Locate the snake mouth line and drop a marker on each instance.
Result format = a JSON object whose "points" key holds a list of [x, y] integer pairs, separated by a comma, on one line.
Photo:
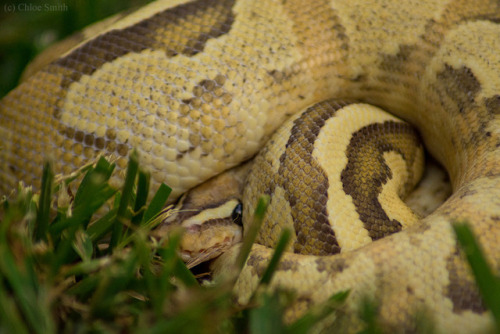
{"points": [[193, 257]]}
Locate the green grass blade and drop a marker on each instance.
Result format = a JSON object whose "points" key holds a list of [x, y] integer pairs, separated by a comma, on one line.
{"points": [[488, 284], [305, 324], [83, 245], [369, 314], [102, 226], [112, 286], [10, 319], [184, 274], [172, 263], [280, 248], [157, 203], [93, 179], [85, 287], [160, 285], [24, 287], [92, 193], [42, 217], [268, 317], [142, 196], [122, 214], [252, 231]]}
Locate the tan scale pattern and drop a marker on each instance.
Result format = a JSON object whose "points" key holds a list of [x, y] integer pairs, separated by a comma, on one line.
{"points": [[301, 186], [302, 182], [199, 86]]}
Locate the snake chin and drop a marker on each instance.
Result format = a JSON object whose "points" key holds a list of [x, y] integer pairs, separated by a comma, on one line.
{"points": [[202, 243]]}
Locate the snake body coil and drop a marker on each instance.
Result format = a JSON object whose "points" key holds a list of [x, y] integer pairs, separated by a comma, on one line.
{"points": [[199, 86]]}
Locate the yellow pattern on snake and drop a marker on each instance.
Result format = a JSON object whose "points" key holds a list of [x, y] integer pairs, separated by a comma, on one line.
{"points": [[198, 87]]}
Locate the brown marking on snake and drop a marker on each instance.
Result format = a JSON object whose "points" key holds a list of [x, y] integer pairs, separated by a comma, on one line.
{"points": [[152, 33], [288, 265], [493, 105], [461, 290], [313, 30], [335, 267], [430, 41], [413, 58], [461, 85], [278, 76], [410, 58], [366, 171], [458, 91], [257, 263], [415, 235], [322, 27], [396, 63], [159, 32], [307, 192], [211, 86], [207, 97], [91, 140]]}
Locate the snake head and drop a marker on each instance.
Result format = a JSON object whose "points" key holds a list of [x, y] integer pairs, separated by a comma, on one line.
{"points": [[210, 217]]}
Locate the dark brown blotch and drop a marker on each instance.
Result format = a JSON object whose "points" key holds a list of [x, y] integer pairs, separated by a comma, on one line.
{"points": [[100, 143], [397, 63], [122, 149], [460, 85], [309, 213], [493, 105], [288, 265], [88, 139], [79, 136], [341, 34], [330, 265], [461, 290], [278, 76], [366, 172], [257, 264], [111, 134]]}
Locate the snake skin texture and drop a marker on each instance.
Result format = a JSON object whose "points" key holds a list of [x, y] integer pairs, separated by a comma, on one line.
{"points": [[199, 86]]}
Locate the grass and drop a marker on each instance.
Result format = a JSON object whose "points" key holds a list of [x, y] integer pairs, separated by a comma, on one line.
{"points": [[66, 269], [487, 282]]}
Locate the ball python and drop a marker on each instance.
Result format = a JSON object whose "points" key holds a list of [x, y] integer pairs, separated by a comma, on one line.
{"points": [[198, 87]]}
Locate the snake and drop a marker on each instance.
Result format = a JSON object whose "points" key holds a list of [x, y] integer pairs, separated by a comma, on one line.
{"points": [[199, 87]]}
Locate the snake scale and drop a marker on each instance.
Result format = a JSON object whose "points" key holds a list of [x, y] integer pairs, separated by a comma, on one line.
{"points": [[199, 86]]}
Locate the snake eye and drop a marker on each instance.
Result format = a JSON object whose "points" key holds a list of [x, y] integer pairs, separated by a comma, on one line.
{"points": [[236, 216]]}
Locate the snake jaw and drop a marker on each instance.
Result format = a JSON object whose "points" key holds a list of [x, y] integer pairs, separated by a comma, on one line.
{"points": [[210, 215], [207, 232], [204, 242], [210, 233]]}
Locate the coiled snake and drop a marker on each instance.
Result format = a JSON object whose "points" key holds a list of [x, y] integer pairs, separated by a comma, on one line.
{"points": [[198, 87]]}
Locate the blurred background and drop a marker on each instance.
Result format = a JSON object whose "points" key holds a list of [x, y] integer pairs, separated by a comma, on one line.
{"points": [[27, 27]]}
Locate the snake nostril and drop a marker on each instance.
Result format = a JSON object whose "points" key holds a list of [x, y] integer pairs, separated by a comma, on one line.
{"points": [[236, 216]]}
